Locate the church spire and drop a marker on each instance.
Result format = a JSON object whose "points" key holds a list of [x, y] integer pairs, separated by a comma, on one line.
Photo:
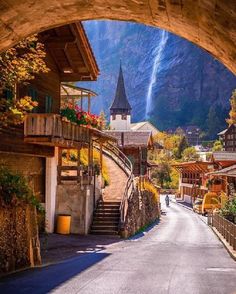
{"points": [[120, 103]]}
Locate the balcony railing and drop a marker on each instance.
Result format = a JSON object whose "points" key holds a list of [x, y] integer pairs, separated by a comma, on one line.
{"points": [[191, 181], [51, 129]]}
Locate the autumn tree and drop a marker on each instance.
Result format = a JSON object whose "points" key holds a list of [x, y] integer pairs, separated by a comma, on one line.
{"points": [[19, 65], [183, 144], [102, 120], [189, 154], [232, 114], [217, 146]]}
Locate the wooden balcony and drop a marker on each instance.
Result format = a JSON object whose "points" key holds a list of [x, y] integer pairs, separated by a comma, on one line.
{"points": [[51, 130]]}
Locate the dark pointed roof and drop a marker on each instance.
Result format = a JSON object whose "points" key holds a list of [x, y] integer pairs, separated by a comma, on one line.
{"points": [[120, 103]]}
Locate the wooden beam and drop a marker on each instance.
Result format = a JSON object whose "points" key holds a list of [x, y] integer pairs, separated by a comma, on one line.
{"points": [[59, 42], [89, 102], [74, 77], [70, 61]]}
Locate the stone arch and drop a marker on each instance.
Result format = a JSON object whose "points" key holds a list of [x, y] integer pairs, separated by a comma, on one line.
{"points": [[211, 24]]}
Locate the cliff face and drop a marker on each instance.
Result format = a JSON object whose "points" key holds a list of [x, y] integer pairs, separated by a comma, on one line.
{"points": [[168, 79]]}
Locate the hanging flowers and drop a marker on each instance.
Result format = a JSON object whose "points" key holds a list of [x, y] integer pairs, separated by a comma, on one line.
{"points": [[12, 112], [18, 65], [80, 117]]}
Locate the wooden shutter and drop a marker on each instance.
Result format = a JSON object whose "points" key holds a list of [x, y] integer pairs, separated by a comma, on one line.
{"points": [[33, 93], [48, 104]]}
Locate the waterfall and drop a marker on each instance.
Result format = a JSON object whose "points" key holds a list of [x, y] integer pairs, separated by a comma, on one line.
{"points": [[158, 54]]}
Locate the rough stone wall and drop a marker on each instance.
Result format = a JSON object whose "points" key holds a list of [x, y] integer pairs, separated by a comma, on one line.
{"points": [[143, 209], [209, 24], [19, 242]]}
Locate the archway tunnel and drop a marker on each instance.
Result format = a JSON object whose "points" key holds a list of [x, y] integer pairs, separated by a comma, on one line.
{"points": [[209, 24]]}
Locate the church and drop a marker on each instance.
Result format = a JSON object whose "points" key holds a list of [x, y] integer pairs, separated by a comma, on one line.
{"points": [[134, 144]]}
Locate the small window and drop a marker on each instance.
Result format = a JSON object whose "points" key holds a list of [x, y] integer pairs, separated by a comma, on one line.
{"points": [[113, 117], [7, 94], [32, 92], [123, 116], [48, 104]]}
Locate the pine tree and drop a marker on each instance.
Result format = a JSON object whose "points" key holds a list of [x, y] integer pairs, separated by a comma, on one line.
{"points": [[232, 114], [213, 123], [183, 144]]}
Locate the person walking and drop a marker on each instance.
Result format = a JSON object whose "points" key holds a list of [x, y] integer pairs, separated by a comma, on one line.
{"points": [[167, 199]]}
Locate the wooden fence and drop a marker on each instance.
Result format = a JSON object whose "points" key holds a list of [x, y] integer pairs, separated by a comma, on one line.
{"points": [[226, 228]]}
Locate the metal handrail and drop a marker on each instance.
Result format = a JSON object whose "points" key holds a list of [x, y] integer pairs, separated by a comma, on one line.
{"points": [[126, 165]]}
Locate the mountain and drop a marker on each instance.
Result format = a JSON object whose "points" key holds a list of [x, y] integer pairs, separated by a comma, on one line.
{"points": [[169, 80]]}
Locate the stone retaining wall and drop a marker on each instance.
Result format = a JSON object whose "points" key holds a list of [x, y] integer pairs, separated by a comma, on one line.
{"points": [[143, 209], [19, 242]]}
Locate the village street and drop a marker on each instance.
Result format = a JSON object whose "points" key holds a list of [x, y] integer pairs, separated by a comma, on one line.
{"points": [[179, 255]]}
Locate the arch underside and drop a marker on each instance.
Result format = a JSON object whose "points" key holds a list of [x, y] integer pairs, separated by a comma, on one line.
{"points": [[211, 24]]}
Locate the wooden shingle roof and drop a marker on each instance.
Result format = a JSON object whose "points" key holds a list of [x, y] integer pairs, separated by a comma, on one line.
{"points": [[224, 156], [193, 166], [133, 138]]}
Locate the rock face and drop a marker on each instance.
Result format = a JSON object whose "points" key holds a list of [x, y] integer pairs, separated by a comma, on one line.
{"points": [[185, 80]]}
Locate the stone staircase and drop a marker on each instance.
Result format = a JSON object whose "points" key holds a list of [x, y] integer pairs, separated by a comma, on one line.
{"points": [[106, 218], [107, 214]]}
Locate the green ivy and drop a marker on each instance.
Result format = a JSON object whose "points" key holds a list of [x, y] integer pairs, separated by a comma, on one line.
{"points": [[14, 186]]}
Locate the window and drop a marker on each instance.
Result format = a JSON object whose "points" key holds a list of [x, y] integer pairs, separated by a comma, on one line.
{"points": [[144, 154], [123, 116], [33, 93], [113, 117], [7, 94], [48, 104]]}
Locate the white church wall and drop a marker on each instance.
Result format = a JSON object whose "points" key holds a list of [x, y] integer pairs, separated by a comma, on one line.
{"points": [[119, 123]]}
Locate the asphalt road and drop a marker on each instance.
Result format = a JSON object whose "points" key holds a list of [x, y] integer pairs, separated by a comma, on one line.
{"points": [[178, 255]]}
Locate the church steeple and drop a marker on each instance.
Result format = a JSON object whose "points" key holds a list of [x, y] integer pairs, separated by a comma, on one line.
{"points": [[120, 109], [120, 104]]}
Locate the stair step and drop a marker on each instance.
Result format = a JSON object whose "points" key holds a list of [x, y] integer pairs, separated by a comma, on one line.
{"points": [[104, 210], [108, 206], [107, 211], [103, 232], [109, 202], [104, 227], [113, 219], [107, 222]]}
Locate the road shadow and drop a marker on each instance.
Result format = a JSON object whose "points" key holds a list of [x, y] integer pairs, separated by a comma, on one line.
{"points": [[144, 231], [55, 247], [45, 279]]}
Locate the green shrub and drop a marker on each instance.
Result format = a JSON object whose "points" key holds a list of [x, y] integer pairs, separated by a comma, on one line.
{"points": [[229, 210], [14, 188]]}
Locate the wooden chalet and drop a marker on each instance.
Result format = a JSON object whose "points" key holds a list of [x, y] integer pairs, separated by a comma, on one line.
{"points": [[35, 148], [226, 178], [222, 159], [228, 137], [224, 172], [192, 179], [135, 146]]}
